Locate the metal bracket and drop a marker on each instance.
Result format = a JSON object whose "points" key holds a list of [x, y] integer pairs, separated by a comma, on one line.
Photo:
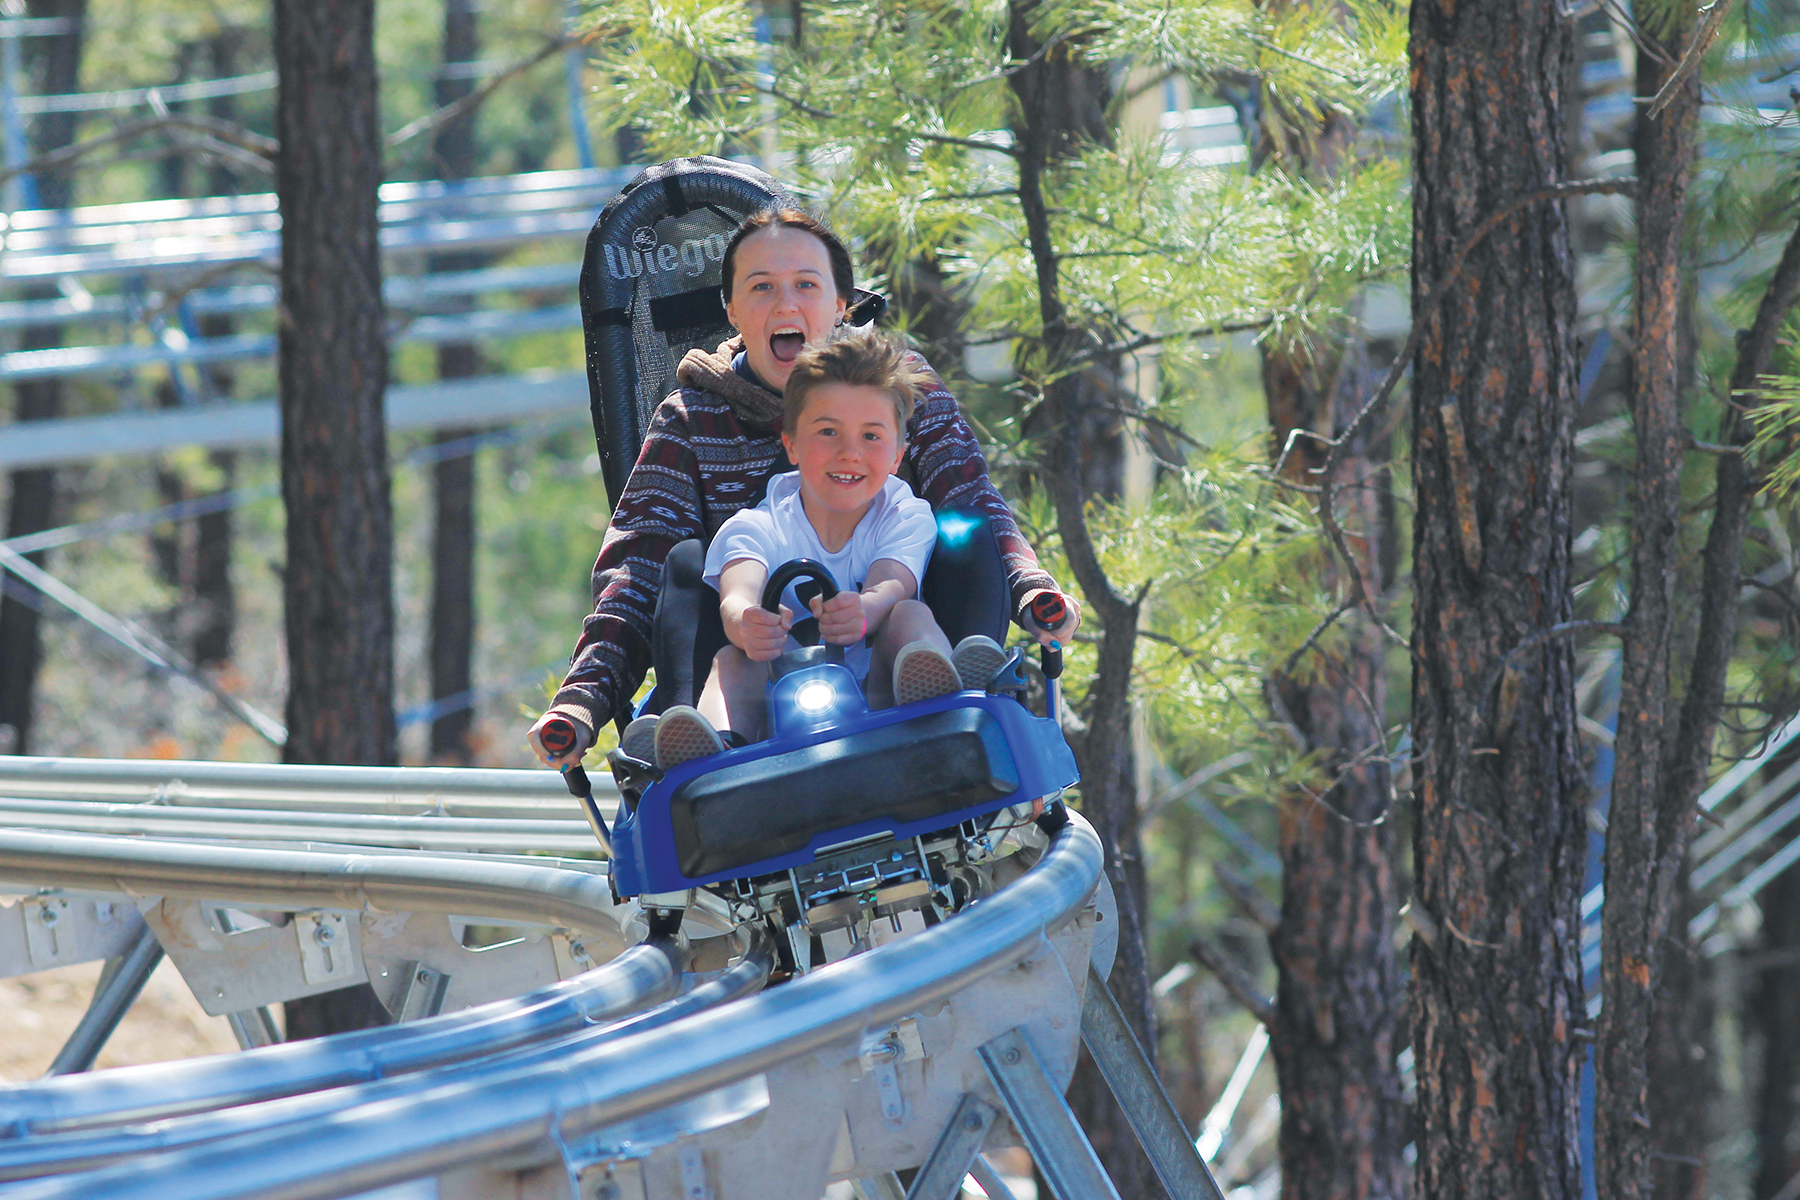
{"points": [[422, 995], [572, 954], [880, 1055], [941, 1176], [898, 1043], [1057, 1144], [47, 946], [325, 951], [691, 1161], [893, 1101]]}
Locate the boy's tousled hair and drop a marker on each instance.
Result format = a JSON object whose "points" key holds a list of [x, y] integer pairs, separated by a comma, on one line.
{"points": [[861, 358]]}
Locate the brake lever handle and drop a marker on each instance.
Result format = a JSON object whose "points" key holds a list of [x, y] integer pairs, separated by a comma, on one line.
{"points": [[1048, 610], [558, 736]]}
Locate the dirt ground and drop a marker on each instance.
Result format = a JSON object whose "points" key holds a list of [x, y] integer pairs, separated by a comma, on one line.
{"points": [[37, 1013]]}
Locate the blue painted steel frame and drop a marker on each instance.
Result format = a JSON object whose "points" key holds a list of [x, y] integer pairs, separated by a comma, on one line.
{"points": [[644, 839]]}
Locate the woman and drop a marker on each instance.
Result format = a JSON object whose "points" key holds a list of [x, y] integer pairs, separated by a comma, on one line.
{"points": [[713, 445]]}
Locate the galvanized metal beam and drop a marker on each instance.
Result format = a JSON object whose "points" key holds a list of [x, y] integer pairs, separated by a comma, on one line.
{"points": [[120, 982], [1058, 1146], [1141, 1097]]}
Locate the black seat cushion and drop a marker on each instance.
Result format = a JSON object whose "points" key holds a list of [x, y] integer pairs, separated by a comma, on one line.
{"points": [[910, 771], [965, 582], [688, 629]]}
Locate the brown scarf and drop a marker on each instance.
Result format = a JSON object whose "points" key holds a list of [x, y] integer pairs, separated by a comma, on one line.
{"points": [[713, 373]]}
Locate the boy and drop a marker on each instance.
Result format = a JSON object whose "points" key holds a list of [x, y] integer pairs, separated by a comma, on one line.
{"points": [[845, 409]]}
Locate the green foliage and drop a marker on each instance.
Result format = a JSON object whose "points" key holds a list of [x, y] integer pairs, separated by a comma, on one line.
{"points": [[901, 120], [1776, 446]]}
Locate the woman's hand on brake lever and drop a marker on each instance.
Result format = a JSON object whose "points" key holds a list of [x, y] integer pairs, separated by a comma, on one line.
{"points": [[1063, 630], [571, 757]]}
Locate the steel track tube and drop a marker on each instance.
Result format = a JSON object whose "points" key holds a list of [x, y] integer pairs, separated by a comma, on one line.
{"points": [[89, 1149], [642, 976], [400, 791], [308, 878], [529, 1113]]}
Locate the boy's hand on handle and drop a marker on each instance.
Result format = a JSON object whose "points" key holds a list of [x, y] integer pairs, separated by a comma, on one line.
{"points": [[559, 741], [842, 621], [1051, 616], [759, 633]]}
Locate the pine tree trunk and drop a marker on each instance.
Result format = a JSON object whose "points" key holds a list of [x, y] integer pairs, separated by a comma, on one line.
{"points": [[215, 599], [32, 492], [453, 479], [333, 369], [1057, 110], [1338, 995], [1774, 1014], [1683, 1078], [194, 557], [1646, 846], [54, 65], [1499, 836]]}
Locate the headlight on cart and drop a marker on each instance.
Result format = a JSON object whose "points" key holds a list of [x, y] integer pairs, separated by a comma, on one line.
{"points": [[815, 697]]}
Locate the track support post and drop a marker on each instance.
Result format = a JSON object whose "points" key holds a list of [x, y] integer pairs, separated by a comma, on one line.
{"points": [[941, 1178], [120, 982], [885, 1186], [1140, 1094], [1037, 1107]]}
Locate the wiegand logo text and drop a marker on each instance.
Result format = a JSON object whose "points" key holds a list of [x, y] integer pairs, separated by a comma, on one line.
{"points": [[645, 256]]}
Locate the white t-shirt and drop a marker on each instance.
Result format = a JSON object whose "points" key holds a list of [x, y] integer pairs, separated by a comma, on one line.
{"points": [[896, 525]]}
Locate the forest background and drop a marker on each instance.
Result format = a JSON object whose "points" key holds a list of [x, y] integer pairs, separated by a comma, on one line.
{"points": [[1168, 255]]}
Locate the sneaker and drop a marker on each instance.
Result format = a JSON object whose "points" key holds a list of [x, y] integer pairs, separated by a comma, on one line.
{"points": [[921, 671], [978, 659], [639, 739], [684, 735]]}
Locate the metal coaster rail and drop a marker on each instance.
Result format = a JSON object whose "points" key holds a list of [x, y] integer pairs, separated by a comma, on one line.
{"points": [[536, 1113], [555, 1084]]}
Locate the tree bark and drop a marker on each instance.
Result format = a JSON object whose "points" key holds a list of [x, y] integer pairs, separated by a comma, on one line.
{"points": [[453, 479], [1646, 846], [1683, 1080], [1774, 1013], [1056, 105], [54, 65], [1499, 835], [195, 556], [333, 370], [1338, 995], [1338, 992], [215, 599]]}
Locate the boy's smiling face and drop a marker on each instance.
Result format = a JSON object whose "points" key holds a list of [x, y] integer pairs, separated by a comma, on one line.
{"points": [[846, 444]]}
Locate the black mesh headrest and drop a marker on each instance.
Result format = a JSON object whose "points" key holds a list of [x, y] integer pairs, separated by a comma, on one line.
{"points": [[650, 290]]}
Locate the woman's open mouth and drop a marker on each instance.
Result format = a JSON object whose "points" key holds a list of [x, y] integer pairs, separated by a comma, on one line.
{"points": [[786, 344]]}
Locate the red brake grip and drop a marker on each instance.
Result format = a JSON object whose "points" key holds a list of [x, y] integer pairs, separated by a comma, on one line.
{"points": [[558, 735], [1048, 610]]}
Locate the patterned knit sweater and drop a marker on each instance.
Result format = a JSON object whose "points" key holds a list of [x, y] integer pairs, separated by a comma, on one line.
{"points": [[711, 449]]}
